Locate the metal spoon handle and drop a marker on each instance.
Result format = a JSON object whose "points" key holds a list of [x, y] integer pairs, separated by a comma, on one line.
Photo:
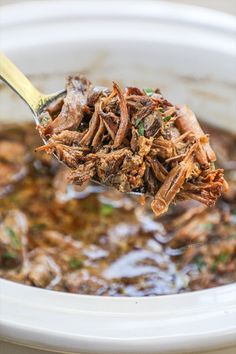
{"points": [[16, 80]]}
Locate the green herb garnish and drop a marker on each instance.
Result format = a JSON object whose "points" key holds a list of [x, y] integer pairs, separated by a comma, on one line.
{"points": [[161, 110], [16, 243], [75, 263], [208, 227], [221, 258], [166, 119], [214, 267], [149, 91], [9, 255], [141, 129], [138, 121], [106, 209], [199, 261]]}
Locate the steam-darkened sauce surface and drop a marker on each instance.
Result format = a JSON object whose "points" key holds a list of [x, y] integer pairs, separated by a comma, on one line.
{"points": [[102, 242]]}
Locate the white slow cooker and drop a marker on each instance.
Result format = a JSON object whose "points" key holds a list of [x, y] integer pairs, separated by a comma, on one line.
{"points": [[190, 53]]}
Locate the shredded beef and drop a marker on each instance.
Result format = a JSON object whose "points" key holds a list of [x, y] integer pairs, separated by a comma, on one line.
{"points": [[134, 141]]}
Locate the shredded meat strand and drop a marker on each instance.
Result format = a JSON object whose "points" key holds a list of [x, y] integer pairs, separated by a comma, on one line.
{"points": [[124, 117]]}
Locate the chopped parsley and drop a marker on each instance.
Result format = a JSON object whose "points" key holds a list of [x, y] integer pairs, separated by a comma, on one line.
{"points": [[199, 261], [166, 119], [9, 255], [149, 91], [75, 263], [106, 209], [139, 123], [16, 243], [221, 258], [208, 227], [141, 129], [161, 110]]}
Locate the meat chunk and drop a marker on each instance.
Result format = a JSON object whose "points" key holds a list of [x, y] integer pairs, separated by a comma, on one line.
{"points": [[12, 151], [110, 163], [73, 108], [187, 121], [80, 282], [124, 117], [10, 173], [152, 124], [69, 155], [134, 141], [172, 183], [67, 137], [43, 270], [12, 166], [206, 188]]}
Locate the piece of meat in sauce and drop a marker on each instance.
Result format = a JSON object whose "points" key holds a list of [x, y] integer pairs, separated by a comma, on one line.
{"points": [[81, 282], [13, 232], [12, 163], [43, 271]]}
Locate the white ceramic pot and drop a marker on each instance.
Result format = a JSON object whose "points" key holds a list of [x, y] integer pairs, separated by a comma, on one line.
{"points": [[190, 54]]}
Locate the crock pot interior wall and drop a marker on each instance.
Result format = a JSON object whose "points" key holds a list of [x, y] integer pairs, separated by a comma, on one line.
{"points": [[186, 61], [190, 65], [139, 64]]}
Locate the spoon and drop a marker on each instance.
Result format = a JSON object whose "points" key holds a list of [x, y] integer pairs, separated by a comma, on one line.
{"points": [[19, 83], [37, 101]]}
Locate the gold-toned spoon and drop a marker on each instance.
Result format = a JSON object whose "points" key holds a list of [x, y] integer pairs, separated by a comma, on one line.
{"points": [[19, 83]]}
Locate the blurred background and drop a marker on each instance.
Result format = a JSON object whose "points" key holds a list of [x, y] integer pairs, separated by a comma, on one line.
{"points": [[221, 5]]}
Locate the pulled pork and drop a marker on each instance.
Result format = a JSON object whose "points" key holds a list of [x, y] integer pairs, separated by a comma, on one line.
{"points": [[135, 141]]}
